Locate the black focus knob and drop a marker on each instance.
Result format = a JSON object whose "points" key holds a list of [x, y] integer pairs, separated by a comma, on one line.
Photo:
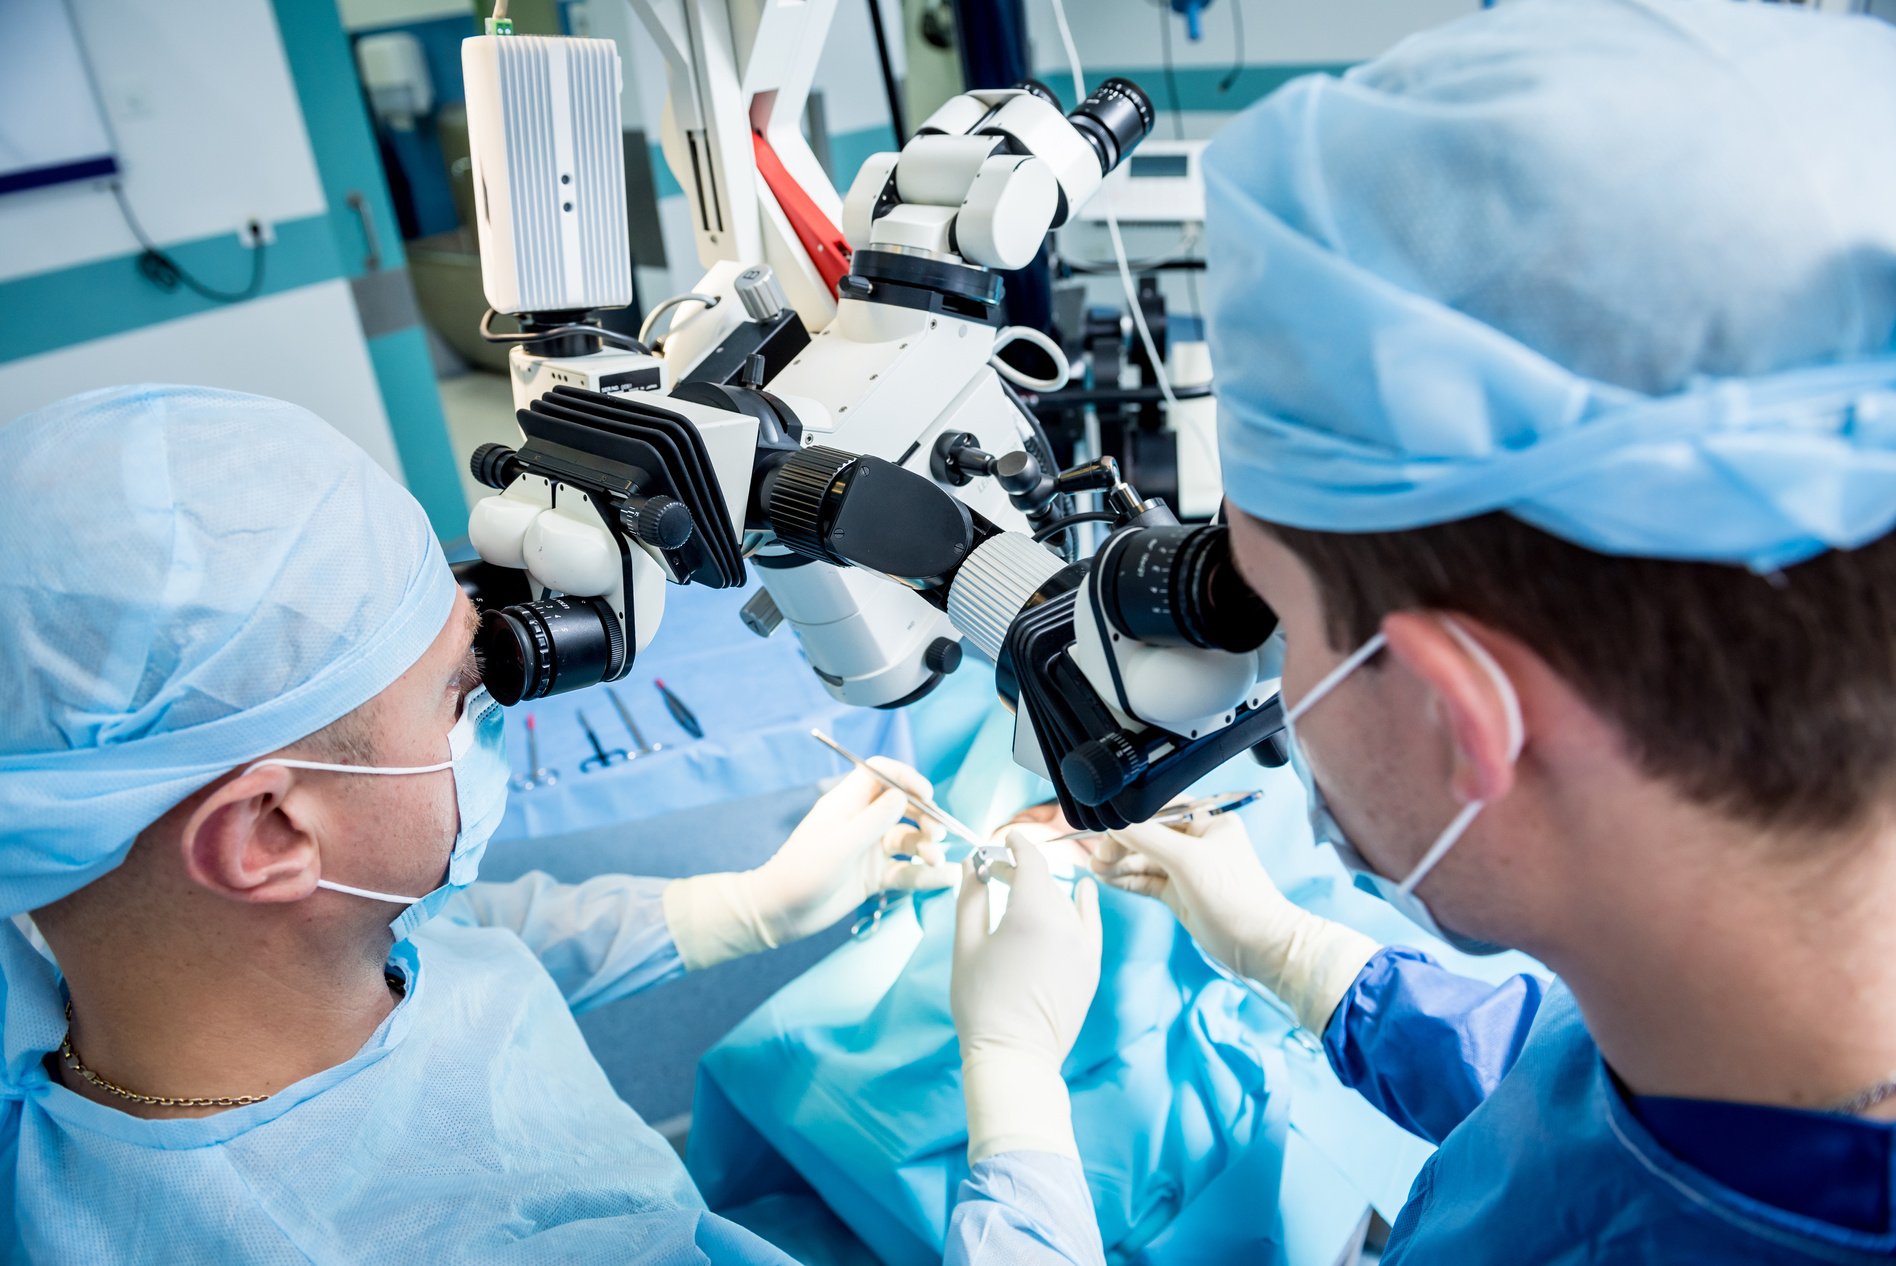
{"points": [[661, 522], [495, 465], [798, 501], [1273, 751], [1099, 769], [942, 656]]}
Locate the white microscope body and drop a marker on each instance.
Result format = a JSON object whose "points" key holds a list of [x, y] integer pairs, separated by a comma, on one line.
{"points": [[810, 362]]}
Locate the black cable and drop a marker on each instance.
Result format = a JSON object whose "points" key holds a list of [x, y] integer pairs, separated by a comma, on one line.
{"points": [[1168, 264], [1171, 72], [599, 332], [1046, 455], [889, 85], [1062, 502], [1237, 40], [1074, 520], [166, 273], [1079, 397]]}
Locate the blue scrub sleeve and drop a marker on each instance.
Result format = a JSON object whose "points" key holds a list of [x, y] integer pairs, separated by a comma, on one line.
{"points": [[1024, 1209], [1424, 1045], [601, 940]]}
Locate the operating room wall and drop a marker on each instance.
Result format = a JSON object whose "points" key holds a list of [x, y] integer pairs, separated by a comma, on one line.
{"points": [[1282, 39], [854, 109], [1208, 83], [222, 112]]}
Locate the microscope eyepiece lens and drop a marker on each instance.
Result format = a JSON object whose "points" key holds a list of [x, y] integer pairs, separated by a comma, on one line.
{"points": [[534, 649], [1035, 88], [1114, 118], [1178, 586]]}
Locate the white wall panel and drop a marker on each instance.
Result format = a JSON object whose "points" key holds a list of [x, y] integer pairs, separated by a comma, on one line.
{"points": [[209, 133], [304, 346]]}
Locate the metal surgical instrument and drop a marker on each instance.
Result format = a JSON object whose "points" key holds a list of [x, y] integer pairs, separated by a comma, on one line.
{"points": [[631, 726], [924, 806], [601, 757]]}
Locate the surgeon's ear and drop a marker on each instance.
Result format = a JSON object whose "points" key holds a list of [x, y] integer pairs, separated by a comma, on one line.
{"points": [[247, 843], [1467, 701]]}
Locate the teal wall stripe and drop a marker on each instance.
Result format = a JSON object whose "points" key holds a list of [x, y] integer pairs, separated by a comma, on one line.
{"points": [[340, 134], [849, 150], [662, 178], [109, 296], [420, 429], [343, 140], [1199, 90], [1198, 86]]}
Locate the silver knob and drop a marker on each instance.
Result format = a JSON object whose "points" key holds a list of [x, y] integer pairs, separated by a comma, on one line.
{"points": [[760, 292], [760, 615]]}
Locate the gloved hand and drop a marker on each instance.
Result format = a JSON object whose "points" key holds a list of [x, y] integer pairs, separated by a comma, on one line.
{"points": [[1210, 876], [845, 850], [1019, 996]]}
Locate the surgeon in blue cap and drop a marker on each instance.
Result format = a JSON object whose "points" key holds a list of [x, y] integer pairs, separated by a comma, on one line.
{"points": [[262, 1011], [1556, 358]]}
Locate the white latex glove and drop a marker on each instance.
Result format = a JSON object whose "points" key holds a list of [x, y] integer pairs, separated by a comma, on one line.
{"points": [[846, 849], [1210, 876], [1019, 996]]}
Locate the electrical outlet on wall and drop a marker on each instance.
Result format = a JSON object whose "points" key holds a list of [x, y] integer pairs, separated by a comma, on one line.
{"points": [[256, 231]]}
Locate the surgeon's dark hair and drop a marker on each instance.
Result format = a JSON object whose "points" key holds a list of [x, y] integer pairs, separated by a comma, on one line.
{"points": [[1771, 698]]}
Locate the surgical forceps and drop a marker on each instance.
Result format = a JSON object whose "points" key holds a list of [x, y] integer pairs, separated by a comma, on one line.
{"points": [[880, 906]]}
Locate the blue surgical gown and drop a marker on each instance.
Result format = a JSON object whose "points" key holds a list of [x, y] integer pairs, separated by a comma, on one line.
{"points": [[473, 1126], [1544, 1158]]}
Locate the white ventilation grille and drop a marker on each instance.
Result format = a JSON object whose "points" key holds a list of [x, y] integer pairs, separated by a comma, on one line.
{"points": [[550, 159]]}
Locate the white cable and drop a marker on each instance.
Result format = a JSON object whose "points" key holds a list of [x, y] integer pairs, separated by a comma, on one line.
{"points": [[1112, 222], [1073, 53], [1138, 317], [1063, 368]]}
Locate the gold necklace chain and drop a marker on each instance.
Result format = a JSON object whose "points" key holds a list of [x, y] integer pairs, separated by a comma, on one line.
{"points": [[157, 1101], [162, 1101]]}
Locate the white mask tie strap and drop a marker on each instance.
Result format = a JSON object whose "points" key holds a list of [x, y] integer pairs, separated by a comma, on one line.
{"points": [[1335, 676], [370, 893]]}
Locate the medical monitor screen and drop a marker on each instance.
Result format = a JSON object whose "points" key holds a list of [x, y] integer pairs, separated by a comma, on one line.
{"points": [[1160, 166], [51, 127]]}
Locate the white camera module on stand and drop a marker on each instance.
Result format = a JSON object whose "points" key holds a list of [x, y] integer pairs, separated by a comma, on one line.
{"points": [[549, 172]]}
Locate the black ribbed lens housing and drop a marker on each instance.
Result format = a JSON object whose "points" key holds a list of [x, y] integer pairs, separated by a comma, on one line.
{"points": [[1114, 117], [534, 649], [1178, 586]]}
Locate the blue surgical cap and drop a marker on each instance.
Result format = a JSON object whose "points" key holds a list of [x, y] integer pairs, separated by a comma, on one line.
{"points": [[191, 579], [1624, 269]]}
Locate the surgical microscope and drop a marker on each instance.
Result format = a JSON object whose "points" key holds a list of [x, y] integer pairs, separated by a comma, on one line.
{"points": [[827, 408]]}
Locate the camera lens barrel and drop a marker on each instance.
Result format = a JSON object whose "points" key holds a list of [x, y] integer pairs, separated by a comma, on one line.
{"points": [[1178, 586], [534, 649], [1114, 117]]}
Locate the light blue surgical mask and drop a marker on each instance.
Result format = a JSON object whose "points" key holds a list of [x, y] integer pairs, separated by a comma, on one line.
{"points": [[477, 755], [1327, 830]]}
